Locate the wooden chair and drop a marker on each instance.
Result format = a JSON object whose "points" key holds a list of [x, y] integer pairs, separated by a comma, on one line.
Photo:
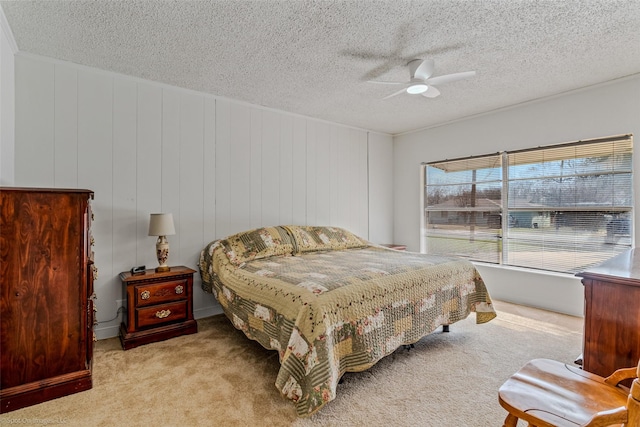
{"points": [[546, 393]]}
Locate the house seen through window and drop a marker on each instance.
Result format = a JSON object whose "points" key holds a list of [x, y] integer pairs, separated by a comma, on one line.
{"points": [[559, 208]]}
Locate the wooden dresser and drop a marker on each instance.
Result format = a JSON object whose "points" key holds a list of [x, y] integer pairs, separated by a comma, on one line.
{"points": [[46, 294], [612, 314]]}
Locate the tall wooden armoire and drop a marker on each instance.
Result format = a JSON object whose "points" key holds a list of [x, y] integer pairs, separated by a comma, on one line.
{"points": [[46, 294]]}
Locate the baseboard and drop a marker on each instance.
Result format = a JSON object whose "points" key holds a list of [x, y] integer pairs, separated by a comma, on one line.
{"points": [[207, 311], [107, 332]]}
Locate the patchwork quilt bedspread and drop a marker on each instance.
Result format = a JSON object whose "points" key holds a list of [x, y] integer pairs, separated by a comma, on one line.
{"points": [[327, 312]]}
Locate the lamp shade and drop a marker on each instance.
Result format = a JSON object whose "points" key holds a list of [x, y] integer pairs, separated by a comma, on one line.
{"points": [[161, 224]]}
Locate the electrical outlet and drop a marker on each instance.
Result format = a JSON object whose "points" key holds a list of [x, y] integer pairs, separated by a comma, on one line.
{"points": [[120, 303]]}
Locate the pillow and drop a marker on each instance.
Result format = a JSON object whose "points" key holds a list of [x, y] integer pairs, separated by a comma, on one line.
{"points": [[255, 244], [312, 238]]}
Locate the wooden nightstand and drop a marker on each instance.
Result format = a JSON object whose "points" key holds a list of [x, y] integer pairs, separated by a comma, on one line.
{"points": [[159, 306]]}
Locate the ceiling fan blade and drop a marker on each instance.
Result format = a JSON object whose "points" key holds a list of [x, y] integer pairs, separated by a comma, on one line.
{"points": [[447, 78], [395, 93], [431, 92], [425, 69]]}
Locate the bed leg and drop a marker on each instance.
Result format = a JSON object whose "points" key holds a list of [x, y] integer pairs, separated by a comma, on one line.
{"points": [[445, 328]]}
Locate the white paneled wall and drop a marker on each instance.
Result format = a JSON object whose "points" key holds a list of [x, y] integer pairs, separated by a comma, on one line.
{"points": [[7, 102], [219, 166], [380, 185]]}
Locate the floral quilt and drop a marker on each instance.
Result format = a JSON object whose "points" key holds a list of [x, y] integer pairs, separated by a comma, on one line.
{"points": [[333, 311]]}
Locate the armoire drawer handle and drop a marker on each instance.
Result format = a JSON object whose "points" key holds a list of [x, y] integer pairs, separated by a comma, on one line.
{"points": [[179, 289], [145, 294], [163, 313]]}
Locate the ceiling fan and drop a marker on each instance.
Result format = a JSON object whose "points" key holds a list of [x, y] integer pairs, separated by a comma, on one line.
{"points": [[421, 82]]}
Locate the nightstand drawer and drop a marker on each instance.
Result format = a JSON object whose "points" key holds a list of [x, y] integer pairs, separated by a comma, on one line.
{"points": [[161, 292], [163, 313]]}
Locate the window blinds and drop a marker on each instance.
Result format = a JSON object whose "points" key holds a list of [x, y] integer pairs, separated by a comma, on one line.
{"points": [[463, 207], [572, 203], [561, 208]]}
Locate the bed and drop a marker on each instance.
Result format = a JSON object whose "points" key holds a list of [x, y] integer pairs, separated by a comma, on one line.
{"points": [[330, 302]]}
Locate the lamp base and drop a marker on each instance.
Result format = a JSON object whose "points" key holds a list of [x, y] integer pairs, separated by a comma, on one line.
{"points": [[162, 252]]}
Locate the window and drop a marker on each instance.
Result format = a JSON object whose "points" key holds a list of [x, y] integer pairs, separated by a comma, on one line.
{"points": [[560, 208]]}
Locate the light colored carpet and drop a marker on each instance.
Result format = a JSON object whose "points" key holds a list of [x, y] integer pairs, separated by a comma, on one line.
{"points": [[217, 377]]}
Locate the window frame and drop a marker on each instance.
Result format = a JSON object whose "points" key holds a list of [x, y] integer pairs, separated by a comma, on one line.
{"points": [[505, 239]]}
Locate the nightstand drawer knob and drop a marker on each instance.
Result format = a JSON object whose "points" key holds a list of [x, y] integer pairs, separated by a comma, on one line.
{"points": [[163, 313], [179, 289], [145, 294]]}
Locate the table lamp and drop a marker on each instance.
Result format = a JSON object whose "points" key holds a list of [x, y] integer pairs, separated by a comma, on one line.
{"points": [[161, 225]]}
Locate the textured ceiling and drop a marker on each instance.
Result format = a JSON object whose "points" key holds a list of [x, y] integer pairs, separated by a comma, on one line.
{"points": [[314, 57]]}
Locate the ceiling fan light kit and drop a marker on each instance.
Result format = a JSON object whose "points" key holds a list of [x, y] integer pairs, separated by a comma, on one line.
{"points": [[420, 80], [416, 88]]}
